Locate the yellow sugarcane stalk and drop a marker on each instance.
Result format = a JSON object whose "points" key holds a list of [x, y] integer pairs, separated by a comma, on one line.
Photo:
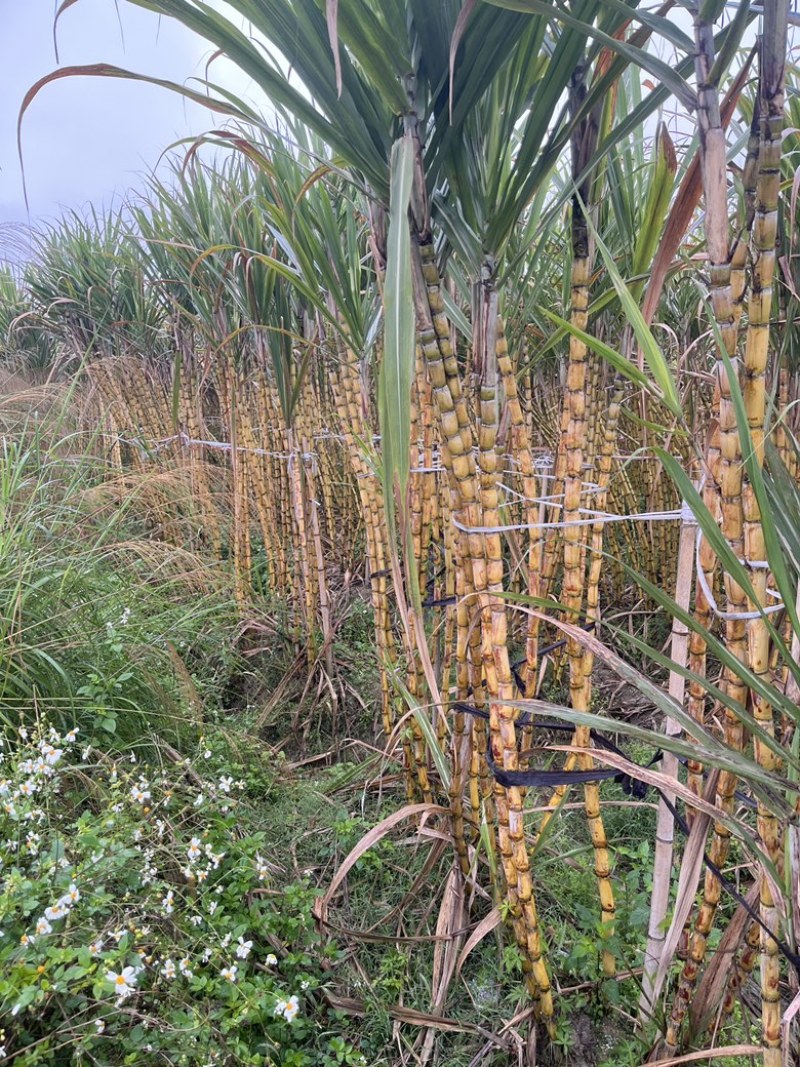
{"points": [[713, 164], [486, 566], [754, 394]]}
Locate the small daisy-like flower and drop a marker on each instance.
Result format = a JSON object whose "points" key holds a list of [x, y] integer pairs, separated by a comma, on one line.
{"points": [[199, 801], [243, 948], [304, 986], [99, 1025], [229, 973], [225, 941], [96, 947], [291, 1009], [140, 793], [168, 969], [56, 911], [124, 982], [225, 783], [194, 852], [168, 902], [51, 755], [71, 735], [196, 920], [212, 907], [185, 969], [262, 870], [271, 960], [207, 754], [72, 895], [280, 1007], [28, 788], [27, 939], [43, 927]]}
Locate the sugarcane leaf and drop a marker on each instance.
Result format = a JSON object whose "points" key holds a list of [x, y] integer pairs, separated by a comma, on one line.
{"points": [[774, 553], [458, 33], [666, 74], [654, 357], [730, 45], [423, 720], [331, 14], [399, 339], [456, 315], [610, 355], [656, 205]]}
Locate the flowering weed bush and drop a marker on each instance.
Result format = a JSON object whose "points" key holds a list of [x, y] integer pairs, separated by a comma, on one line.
{"points": [[142, 923]]}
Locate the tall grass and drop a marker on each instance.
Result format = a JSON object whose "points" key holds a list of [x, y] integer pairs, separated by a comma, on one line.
{"points": [[100, 614]]}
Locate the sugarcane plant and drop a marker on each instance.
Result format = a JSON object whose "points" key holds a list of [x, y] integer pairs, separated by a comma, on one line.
{"points": [[416, 306]]}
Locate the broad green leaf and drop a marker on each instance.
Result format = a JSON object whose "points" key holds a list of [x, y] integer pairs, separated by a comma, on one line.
{"points": [[654, 357], [610, 355], [398, 360]]}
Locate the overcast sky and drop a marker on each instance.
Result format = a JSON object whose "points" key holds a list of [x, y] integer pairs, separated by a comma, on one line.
{"points": [[87, 140]]}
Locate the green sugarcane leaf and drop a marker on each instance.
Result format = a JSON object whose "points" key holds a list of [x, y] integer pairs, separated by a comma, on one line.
{"points": [[614, 358], [654, 357], [399, 333]]}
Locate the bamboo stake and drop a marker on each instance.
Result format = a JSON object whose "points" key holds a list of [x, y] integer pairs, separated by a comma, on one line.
{"points": [[665, 823]]}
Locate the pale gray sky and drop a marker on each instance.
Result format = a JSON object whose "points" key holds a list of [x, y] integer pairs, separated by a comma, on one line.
{"points": [[87, 140]]}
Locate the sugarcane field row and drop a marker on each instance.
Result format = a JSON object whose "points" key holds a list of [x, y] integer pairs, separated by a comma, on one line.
{"points": [[399, 552]]}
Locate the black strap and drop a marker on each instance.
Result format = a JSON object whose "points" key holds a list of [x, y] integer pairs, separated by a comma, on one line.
{"points": [[632, 786]]}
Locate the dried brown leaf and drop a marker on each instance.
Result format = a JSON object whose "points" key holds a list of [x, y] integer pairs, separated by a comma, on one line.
{"points": [[371, 838]]}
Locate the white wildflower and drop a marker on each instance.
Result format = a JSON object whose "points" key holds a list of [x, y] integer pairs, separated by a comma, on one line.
{"points": [[291, 1009], [124, 982], [72, 896]]}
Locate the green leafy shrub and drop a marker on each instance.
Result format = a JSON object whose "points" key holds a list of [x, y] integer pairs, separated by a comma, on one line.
{"points": [[141, 921]]}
